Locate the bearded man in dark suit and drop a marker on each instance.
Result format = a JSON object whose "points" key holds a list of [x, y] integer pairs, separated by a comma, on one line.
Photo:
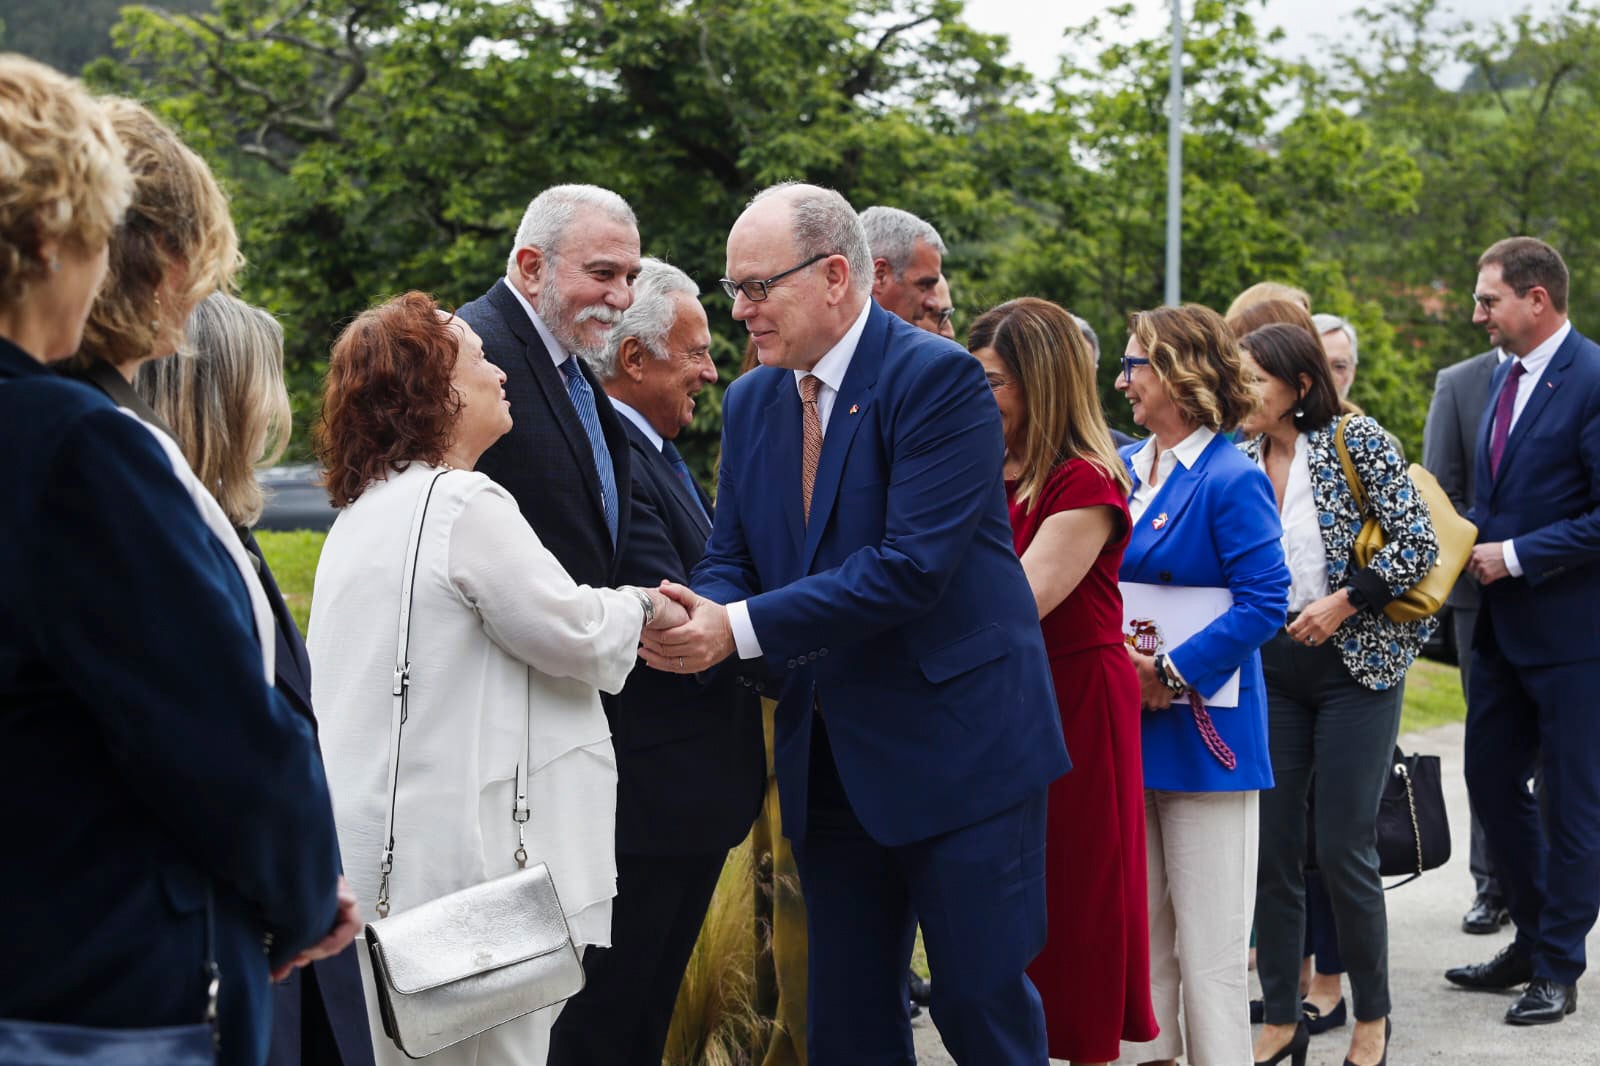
{"points": [[690, 764], [568, 279]]}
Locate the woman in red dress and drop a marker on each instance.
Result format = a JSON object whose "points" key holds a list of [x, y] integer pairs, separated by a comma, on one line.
{"points": [[1067, 491]]}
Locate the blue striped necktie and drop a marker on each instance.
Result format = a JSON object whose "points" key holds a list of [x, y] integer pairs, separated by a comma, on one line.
{"points": [[681, 468], [583, 401]]}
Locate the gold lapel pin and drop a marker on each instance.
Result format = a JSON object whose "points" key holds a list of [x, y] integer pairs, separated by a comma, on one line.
{"points": [[855, 408]]}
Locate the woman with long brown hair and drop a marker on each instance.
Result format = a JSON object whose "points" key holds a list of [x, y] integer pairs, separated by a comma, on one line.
{"points": [[1067, 491]]}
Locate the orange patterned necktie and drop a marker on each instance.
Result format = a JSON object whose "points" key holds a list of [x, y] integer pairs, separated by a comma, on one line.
{"points": [[811, 440]]}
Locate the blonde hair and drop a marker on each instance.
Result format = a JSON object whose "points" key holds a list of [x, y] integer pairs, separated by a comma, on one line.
{"points": [[224, 399], [1263, 291], [1194, 353], [177, 242], [1049, 359], [62, 175], [1264, 313]]}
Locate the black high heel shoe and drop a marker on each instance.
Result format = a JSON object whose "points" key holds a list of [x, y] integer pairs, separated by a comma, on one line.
{"points": [[1387, 1029], [1295, 1050]]}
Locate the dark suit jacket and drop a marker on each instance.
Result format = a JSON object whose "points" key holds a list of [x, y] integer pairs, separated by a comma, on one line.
{"points": [[1547, 499], [901, 605], [546, 462], [296, 1039], [691, 763], [137, 733], [1450, 442]]}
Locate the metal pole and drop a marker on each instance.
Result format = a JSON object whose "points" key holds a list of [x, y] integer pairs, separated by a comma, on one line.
{"points": [[1175, 157]]}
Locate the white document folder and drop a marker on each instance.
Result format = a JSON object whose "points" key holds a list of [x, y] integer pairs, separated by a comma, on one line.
{"points": [[1176, 613]]}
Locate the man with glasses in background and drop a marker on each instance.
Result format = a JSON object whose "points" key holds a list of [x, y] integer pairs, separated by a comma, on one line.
{"points": [[861, 548]]}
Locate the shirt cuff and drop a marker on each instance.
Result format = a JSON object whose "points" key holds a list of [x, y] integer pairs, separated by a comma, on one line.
{"points": [[1508, 549], [744, 634], [1176, 674]]}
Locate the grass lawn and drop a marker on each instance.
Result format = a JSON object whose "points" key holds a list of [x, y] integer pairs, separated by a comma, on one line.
{"points": [[293, 558]]}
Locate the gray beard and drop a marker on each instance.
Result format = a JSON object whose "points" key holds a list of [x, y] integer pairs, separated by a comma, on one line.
{"points": [[553, 312]]}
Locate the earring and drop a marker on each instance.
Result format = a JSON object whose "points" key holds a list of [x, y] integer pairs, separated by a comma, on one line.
{"points": [[1299, 412], [155, 323]]}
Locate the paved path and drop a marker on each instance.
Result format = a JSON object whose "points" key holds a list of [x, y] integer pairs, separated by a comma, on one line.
{"points": [[1434, 1021]]}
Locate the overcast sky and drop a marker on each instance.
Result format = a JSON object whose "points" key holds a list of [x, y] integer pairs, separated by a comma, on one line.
{"points": [[1035, 26]]}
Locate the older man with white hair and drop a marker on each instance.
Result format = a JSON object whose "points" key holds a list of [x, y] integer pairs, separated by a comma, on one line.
{"points": [[691, 767], [1339, 341], [907, 257], [568, 279]]}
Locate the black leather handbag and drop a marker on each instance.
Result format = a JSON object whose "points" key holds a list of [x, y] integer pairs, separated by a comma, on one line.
{"points": [[1413, 828]]}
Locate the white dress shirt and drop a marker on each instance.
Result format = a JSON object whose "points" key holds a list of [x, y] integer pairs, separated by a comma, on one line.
{"points": [[639, 420], [1187, 452], [1533, 367], [1303, 550], [830, 370]]}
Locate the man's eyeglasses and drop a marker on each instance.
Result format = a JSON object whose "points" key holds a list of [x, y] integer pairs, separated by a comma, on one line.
{"points": [[1128, 363], [1485, 301], [757, 290], [943, 317]]}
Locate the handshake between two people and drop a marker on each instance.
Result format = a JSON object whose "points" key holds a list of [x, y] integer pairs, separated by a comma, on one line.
{"points": [[688, 634]]}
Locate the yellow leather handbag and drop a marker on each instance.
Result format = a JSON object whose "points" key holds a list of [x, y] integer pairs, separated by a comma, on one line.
{"points": [[1455, 534]]}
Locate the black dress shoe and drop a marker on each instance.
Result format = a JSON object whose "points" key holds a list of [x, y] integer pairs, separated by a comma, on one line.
{"points": [[920, 989], [1295, 1050], [1506, 970], [1318, 1022], [1542, 1002], [1486, 915]]}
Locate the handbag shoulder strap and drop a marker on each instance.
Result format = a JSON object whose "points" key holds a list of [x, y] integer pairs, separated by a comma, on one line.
{"points": [[401, 686], [1350, 475], [399, 709]]}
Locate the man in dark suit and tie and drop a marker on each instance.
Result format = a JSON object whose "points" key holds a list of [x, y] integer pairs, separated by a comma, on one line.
{"points": [[862, 550], [568, 279], [690, 765], [1536, 661], [1449, 445]]}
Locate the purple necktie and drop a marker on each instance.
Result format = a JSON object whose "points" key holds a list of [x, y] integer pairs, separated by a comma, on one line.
{"points": [[1502, 417]]}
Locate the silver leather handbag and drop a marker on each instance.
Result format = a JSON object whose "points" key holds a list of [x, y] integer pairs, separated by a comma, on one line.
{"points": [[464, 963]]}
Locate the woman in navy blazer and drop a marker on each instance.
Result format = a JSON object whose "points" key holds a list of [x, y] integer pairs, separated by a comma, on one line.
{"points": [[1203, 516], [167, 790]]}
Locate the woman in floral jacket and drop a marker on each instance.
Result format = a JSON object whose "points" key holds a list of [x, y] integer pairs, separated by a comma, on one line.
{"points": [[1334, 679]]}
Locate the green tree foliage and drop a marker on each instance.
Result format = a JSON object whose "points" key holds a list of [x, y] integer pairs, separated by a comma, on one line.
{"points": [[378, 145], [1514, 150], [67, 34]]}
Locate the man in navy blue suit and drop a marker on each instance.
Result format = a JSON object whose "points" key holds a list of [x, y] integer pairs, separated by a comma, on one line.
{"points": [[862, 551], [1536, 660]]}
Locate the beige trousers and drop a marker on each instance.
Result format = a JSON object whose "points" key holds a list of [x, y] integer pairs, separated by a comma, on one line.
{"points": [[1201, 853]]}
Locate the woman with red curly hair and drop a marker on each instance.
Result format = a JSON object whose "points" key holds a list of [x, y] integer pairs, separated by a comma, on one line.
{"points": [[508, 655]]}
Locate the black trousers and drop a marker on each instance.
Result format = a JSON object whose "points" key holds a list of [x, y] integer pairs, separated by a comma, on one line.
{"points": [[1328, 732], [622, 1015]]}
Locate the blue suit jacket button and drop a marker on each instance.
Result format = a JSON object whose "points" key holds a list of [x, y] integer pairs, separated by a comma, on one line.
{"points": [[822, 651], [792, 664], [1166, 575], [812, 657]]}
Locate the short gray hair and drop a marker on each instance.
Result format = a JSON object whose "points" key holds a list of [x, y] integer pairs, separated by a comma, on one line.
{"points": [[1088, 335], [1326, 323], [892, 235], [545, 222], [824, 223], [649, 318]]}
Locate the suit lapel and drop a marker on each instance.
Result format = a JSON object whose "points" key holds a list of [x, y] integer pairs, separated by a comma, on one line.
{"points": [[849, 411], [1544, 391], [675, 489], [1167, 508], [543, 368]]}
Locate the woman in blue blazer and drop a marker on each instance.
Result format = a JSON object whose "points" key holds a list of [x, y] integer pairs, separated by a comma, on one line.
{"points": [[1203, 517]]}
